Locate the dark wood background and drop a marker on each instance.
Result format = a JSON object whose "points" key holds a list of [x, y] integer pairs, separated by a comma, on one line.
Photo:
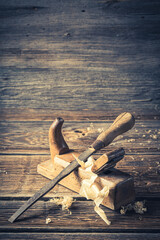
{"points": [[86, 61]]}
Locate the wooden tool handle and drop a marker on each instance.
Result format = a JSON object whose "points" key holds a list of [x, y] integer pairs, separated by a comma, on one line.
{"points": [[122, 124], [107, 159], [56, 140]]}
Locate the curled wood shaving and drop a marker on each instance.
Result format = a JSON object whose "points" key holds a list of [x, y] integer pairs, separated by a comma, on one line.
{"points": [[3, 171], [148, 131], [92, 129], [131, 140], [137, 207], [65, 201], [91, 189], [48, 220], [153, 136]]}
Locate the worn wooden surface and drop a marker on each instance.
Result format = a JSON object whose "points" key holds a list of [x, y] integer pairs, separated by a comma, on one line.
{"points": [[86, 61], [61, 52], [81, 236]]}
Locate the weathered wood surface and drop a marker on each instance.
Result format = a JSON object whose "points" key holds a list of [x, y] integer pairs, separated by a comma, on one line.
{"points": [[75, 55], [28, 141], [19, 174], [31, 137], [35, 218], [81, 236], [41, 114], [86, 61]]}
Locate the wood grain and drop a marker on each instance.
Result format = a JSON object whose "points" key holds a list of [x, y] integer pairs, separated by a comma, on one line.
{"points": [[32, 137], [86, 61], [40, 114], [80, 236], [83, 218], [96, 55], [19, 174]]}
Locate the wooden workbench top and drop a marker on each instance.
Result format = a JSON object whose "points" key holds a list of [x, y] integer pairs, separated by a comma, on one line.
{"points": [[86, 61]]}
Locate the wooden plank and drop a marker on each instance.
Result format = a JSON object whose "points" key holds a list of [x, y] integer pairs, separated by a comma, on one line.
{"points": [[32, 137], [26, 114], [19, 178], [80, 236], [57, 55], [83, 218], [81, 58]]}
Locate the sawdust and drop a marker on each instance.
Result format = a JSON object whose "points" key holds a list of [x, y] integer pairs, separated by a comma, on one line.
{"points": [[131, 140], [76, 134], [147, 131], [65, 201], [100, 130], [137, 207], [153, 136], [3, 171], [48, 220], [92, 129]]}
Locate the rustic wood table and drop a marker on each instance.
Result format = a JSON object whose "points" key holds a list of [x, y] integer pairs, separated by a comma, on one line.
{"points": [[86, 61]]}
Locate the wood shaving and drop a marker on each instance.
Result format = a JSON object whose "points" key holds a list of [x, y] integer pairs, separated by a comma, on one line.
{"points": [[137, 207], [131, 140], [100, 130], [65, 201], [147, 131], [153, 136], [48, 220], [91, 189], [3, 171], [91, 129]]}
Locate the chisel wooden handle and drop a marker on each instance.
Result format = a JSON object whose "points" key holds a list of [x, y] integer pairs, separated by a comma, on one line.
{"points": [[123, 123]]}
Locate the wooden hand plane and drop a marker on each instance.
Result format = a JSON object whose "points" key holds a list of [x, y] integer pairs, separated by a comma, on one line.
{"points": [[116, 188], [121, 185]]}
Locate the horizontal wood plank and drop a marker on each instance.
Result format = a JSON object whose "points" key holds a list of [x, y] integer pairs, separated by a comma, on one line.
{"points": [[83, 217], [86, 61], [32, 137], [19, 174], [47, 114], [96, 55], [80, 236]]}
